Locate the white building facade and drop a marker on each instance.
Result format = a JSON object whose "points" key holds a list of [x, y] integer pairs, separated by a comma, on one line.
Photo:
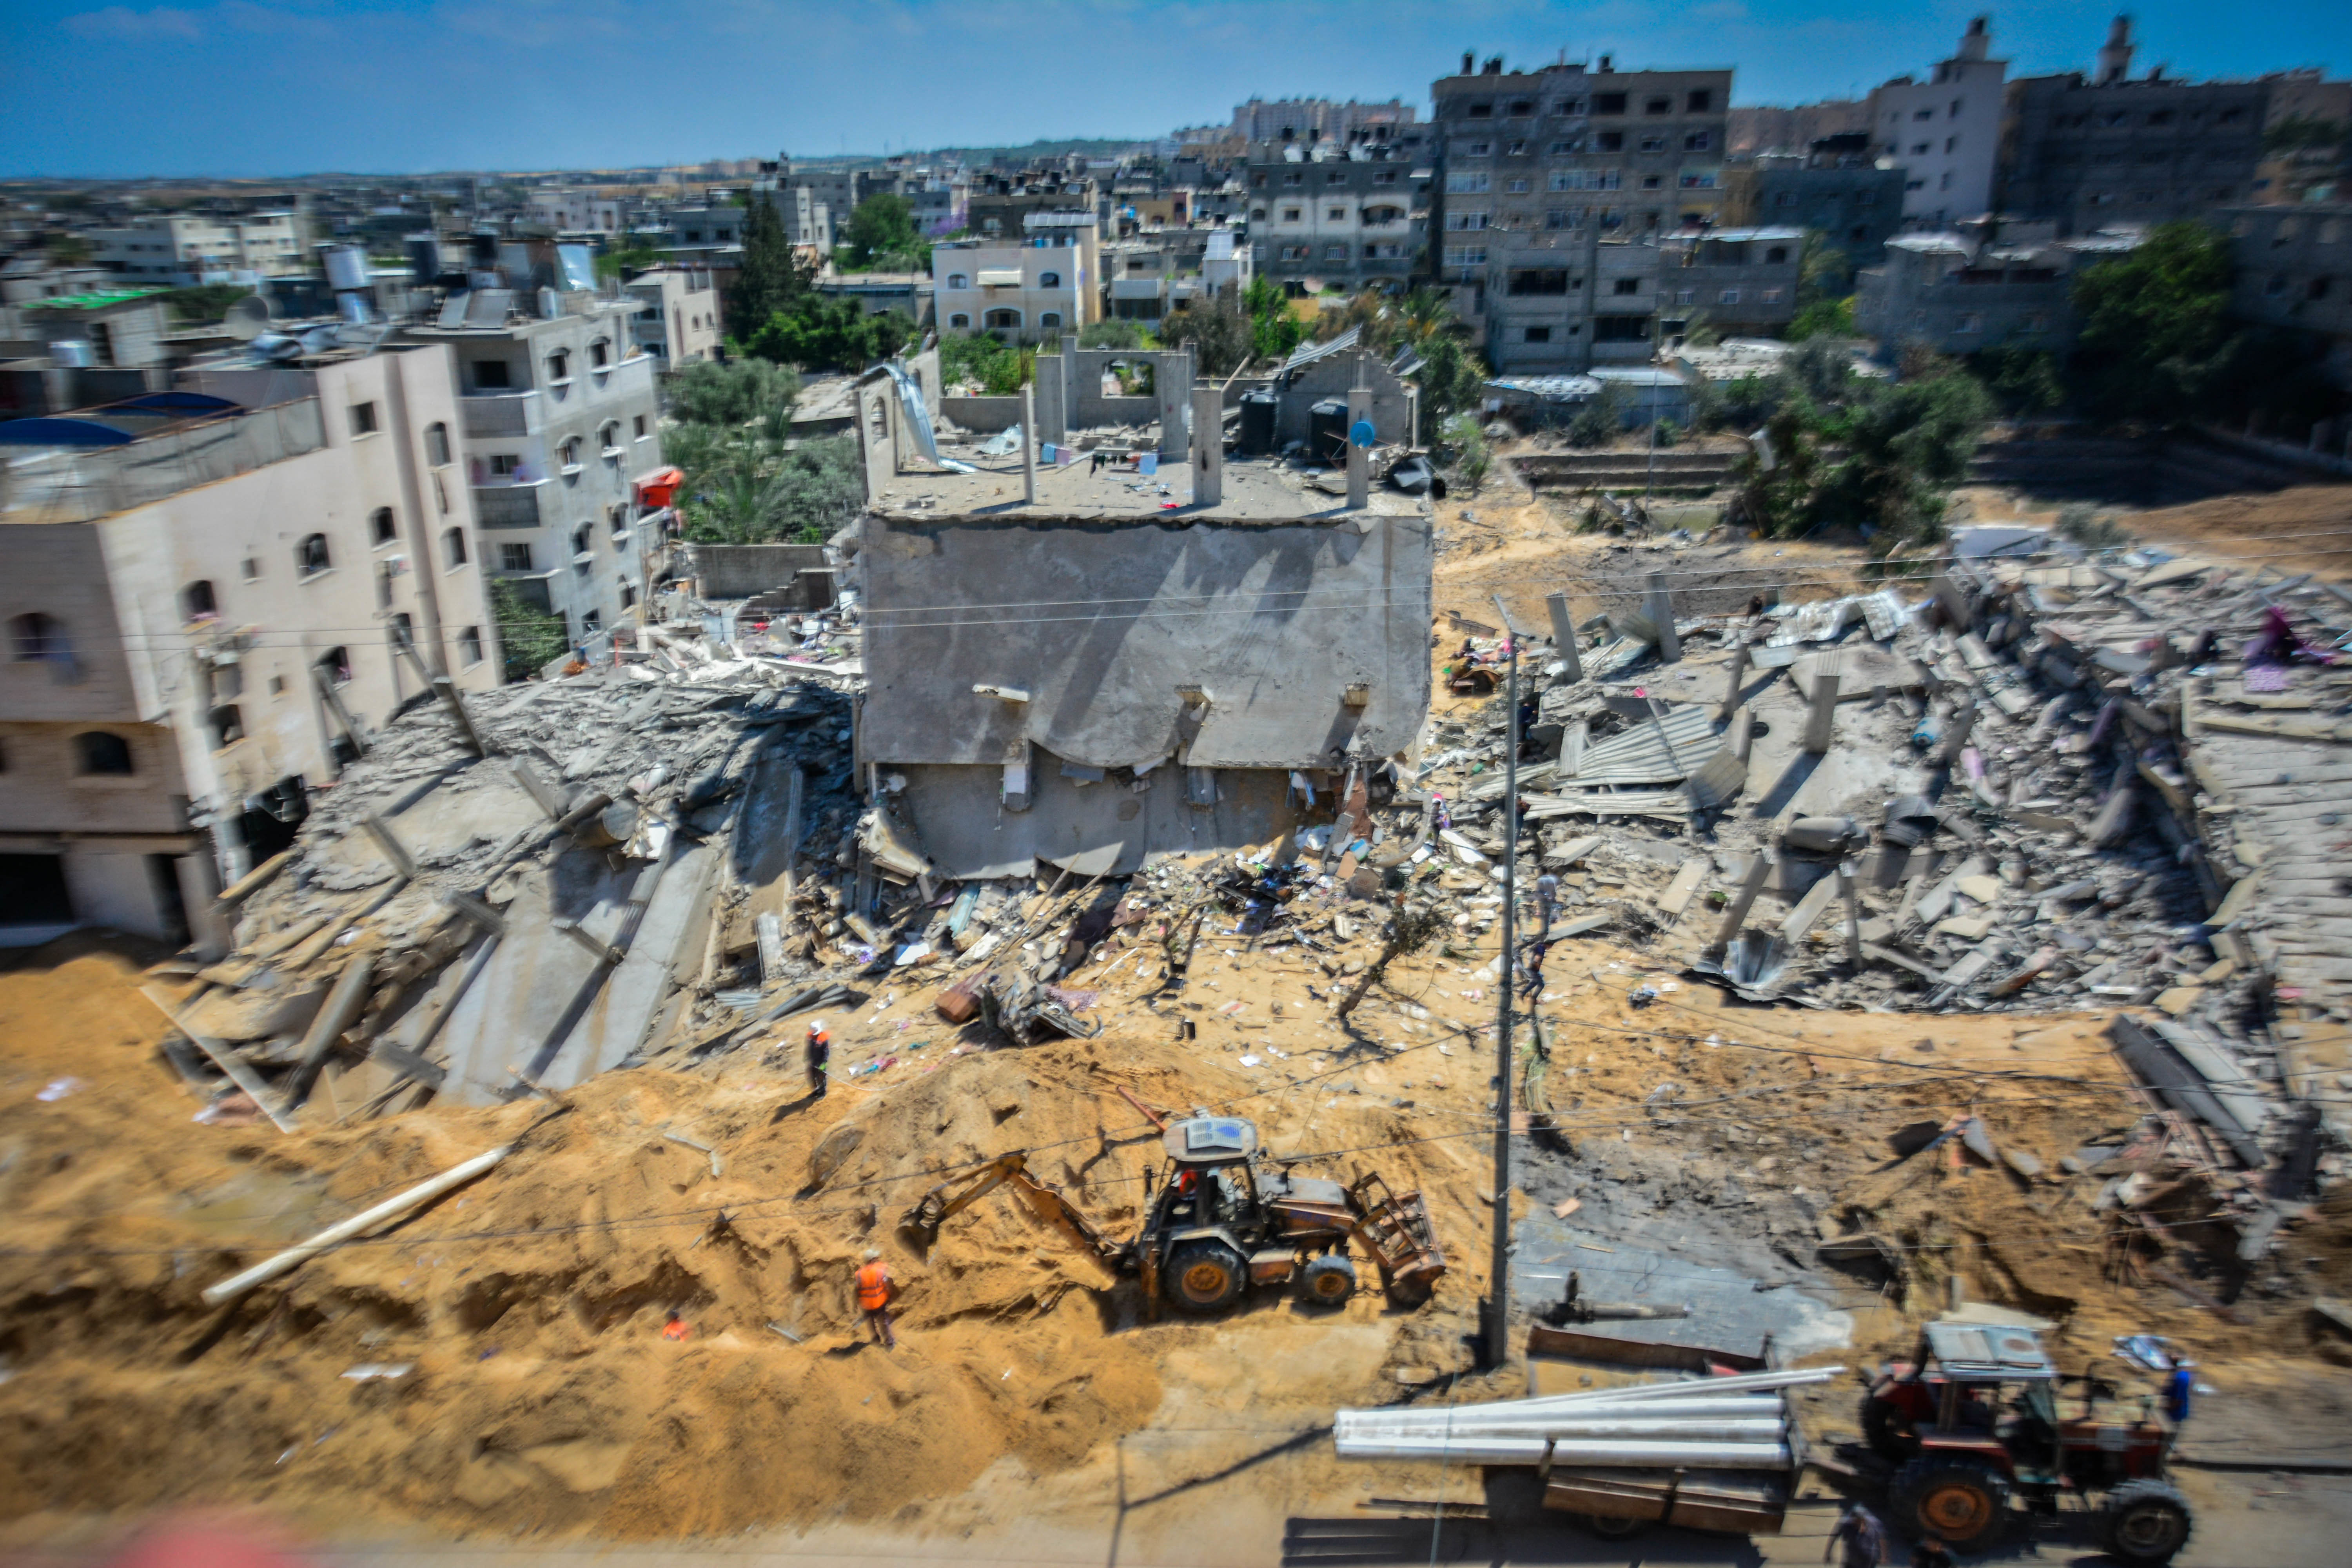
{"points": [[1945, 133]]}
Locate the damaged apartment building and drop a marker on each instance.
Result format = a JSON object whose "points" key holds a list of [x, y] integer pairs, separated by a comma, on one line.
{"points": [[215, 597], [1093, 664]]}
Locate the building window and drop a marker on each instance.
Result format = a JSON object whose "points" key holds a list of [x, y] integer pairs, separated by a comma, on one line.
{"points": [[453, 547], [1465, 256], [100, 752], [311, 556], [1049, 280], [610, 436], [1697, 141], [514, 558], [600, 354], [1609, 141], [1515, 188], [590, 622], [959, 323], [1461, 184], [1003, 321], [559, 368], [1572, 144], [1770, 295], [1049, 319], [228, 726], [959, 280], [1660, 105], [1626, 286], [363, 418], [638, 424], [250, 567], [33, 637], [1538, 280], [1459, 223], [1292, 215], [1729, 297], [1969, 321], [335, 664], [492, 375], [1515, 150], [1295, 252], [437, 444], [1480, 109], [569, 454], [469, 645], [1334, 253], [1653, 143], [1686, 296], [1571, 106], [197, 603], [382, 530], [1521, 108], [505, 465], [1537, 335], [1608, 104]]}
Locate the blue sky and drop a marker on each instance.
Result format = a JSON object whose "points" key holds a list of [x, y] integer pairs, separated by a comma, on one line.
{"points": [[283, 87]]}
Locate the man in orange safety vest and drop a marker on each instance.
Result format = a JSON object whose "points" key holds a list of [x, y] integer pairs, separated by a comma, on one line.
{"points": [[873, 1299]]}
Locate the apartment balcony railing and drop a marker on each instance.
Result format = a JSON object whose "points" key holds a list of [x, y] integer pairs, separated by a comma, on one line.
{"points": [[507, 506], [502, 413]]}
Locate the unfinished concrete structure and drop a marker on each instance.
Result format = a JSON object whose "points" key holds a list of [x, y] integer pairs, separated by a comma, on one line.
{"points": [[1088, 679]]}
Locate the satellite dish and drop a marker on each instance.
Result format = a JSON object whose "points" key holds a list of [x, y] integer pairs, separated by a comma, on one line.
{"points": [[247, 319]]}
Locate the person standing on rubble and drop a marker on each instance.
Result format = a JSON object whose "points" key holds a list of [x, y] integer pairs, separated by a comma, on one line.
{"points": [[874, 1291], [1547, 901], [1860, 1533], [1531, 961], [820, 1054]]}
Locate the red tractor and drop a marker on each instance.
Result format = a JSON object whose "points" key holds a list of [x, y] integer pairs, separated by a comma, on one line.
{"points": [[1974, 1420]]}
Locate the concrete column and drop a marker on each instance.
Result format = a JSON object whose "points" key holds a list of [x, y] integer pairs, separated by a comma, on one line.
{"points": [[1731, 686], [1849, 890], [1172, 381], [1759, 871], [1955, 737], [1659, 605], [1029, 445], [1360, 458], [1208, 446], [1741, 736], [1563, 635], [1823, 721]]}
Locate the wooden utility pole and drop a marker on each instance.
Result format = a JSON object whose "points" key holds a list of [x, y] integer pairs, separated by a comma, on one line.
{"points": [[1498, 1303]]}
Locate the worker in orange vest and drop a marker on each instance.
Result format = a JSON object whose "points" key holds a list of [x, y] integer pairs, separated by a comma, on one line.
{"points": [[820, 1055], [873, 1299]]}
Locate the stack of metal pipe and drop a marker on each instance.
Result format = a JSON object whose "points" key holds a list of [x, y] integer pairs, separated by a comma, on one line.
{"points": [[1722, 1423]]}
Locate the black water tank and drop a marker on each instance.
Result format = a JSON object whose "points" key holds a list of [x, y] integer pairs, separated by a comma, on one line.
{"points": [[1327, 432], [1257, 423]]}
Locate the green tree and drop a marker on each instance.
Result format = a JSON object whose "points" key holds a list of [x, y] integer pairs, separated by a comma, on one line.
{"points": [[1472, 458], [999, 368], [1451, 376], [1600, 420], [2023, 382], [1823, 271], [772, 277], [2154, 323], [67, 251], [1823, 319], [1273, 330], [815, 332], [532, 639], [1117, 335], [204, 304], [1221, 331], [1906, 446], [881, 235], [735, 392], [625, 261], [804, 493]]}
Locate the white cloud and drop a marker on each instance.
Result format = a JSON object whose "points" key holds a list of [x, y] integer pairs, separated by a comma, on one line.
{"points": [[123, 25]]}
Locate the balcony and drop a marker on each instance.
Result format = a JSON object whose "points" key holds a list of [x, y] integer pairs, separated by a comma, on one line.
{"points": [[507, 506], [501, 414]]}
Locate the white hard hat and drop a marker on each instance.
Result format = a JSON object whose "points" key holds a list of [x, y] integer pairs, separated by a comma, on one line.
{"points": [[873, 1253], [816, 1026]]}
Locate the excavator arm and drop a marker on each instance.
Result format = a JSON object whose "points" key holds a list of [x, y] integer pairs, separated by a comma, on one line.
{"points": [[943, 1203]]}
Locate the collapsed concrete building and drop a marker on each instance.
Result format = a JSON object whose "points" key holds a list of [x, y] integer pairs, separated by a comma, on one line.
{"points": [[1092, 657]]}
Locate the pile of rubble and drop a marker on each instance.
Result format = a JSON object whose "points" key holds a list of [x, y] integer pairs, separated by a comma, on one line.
{"points": [[605, 813]]}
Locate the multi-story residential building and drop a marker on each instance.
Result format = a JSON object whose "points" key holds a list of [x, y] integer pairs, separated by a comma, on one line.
{"points": [[573, 210], [1294, 118], [1767, 128], [1739, 281], [2308, 138], [1838, 189], [204, 596], [677, 319], [112, 329], [559, 422], [1992, 284], [2294, 272], [1543, 176], [2114, 151], [177, 252], [1944, 132], [999, 203], [1328, 214], [1048, 284]]}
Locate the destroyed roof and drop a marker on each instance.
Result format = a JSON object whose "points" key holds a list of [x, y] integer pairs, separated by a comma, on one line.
{"points": [[1308, 353], [1550, 388], [1256, 491]]}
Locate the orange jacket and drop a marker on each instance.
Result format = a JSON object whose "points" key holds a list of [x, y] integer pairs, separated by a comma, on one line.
{"points": [[874, 1286]]}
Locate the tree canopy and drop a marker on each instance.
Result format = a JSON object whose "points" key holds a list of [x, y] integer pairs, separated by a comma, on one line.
{"points": [[818, 332], [771, 277], [881, 235], [2153, 322]]}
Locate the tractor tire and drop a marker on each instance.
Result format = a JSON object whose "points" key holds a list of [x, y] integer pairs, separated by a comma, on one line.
{"points": [[1329, 1280], [1204, 1276], [1888, 1430], [1963, 1502], [1611, 1528], [2146, 1521]]}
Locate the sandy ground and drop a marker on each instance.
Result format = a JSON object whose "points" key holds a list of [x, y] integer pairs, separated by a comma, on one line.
{"points": [[1031, 1414], [2307, 528]]}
